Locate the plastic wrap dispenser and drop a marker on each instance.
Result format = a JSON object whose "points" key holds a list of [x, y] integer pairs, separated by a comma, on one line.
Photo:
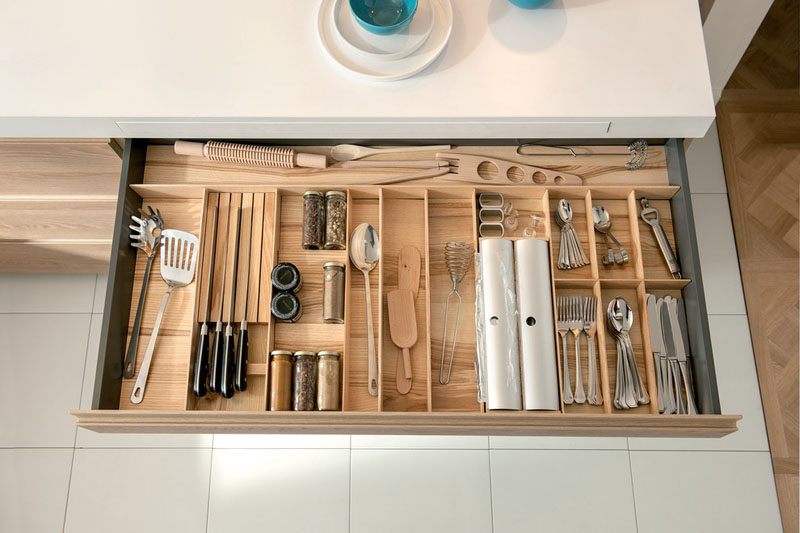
{"points": [[500, 325], [538, 358]]}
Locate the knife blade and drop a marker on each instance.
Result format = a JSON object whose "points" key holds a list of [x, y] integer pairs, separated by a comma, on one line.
{"points": [[679, 332], [657, 344], [673, 369]]}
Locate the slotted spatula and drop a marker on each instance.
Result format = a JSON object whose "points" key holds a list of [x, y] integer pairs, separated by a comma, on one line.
{"points": [[178, 261]]}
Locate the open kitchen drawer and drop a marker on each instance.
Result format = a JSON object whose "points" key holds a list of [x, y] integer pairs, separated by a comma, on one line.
{"points": [[425, 214]]}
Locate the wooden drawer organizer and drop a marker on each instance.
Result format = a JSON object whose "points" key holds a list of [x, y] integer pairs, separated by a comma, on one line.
{"points": [[424, 214]]}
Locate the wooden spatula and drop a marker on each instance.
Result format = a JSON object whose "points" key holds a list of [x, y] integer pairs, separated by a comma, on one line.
{"points": [[403, 328], [402, 312]]}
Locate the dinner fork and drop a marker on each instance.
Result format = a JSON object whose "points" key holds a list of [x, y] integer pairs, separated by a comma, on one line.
{"points": [[575, 324], [562, 326], [590, 329]]}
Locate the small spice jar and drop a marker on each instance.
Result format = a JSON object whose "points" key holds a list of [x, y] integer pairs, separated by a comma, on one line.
{"points": [[280, 380], [303, 389], [285, 306], [335, 220], [313, 220], [286, 277], [328, 381], [333, 292]]}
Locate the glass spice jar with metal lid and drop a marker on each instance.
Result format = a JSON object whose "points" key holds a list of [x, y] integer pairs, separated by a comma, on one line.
{"points": [[335, 220], [280, 380], [313, 220], [333, 292], [303, 381], [328, 372]]}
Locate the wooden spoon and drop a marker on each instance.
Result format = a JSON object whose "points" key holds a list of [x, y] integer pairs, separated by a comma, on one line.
{"points": [[349, 152], [403, 328], [408, 269]]}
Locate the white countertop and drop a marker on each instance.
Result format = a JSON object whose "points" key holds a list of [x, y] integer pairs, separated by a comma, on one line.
{"points": [[256, 68]]}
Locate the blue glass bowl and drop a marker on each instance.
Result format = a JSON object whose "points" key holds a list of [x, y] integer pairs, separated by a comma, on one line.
{"points": [[530, 4], [383, 17]]}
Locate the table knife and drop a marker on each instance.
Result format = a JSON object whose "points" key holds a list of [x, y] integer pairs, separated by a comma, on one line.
{"points": [[680, 352], [657, 343], [669, 346]]}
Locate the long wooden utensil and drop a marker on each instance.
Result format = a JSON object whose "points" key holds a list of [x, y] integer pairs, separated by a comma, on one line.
{"points": [[480, 169], [402, 314]]}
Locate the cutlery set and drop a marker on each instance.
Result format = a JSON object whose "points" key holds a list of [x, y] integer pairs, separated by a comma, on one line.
{"points": [[578, 315], [570, 252], [669, 340], [630, 392]]}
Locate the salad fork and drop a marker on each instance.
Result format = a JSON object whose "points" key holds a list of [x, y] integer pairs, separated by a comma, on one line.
{"points": [[562, 326], [575, 324]]}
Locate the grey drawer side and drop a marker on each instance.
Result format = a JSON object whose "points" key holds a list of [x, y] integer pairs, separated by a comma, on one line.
{"points": [[705, 377], [119, 291]]}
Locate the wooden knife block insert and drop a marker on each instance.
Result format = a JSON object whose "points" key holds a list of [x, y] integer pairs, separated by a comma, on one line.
{"points": [[426, 217]]}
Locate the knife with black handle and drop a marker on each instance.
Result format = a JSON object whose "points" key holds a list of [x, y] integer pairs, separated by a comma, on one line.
{"points": [[229, 351], [215, 370], [240, 371], [200, 376]]}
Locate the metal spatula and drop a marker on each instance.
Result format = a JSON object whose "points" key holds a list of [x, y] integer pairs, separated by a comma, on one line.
{"points": [[178, 260]]}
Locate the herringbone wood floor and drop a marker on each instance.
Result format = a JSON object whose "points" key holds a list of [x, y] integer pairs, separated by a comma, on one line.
{"points": [[759, 128]]}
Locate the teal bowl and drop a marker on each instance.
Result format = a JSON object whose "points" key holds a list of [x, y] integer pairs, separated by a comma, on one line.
{"points": [[530, 4], [383, 17]]}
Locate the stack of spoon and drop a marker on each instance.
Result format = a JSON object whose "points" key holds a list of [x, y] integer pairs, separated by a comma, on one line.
{"points": [[570, 253], [629, 390]]}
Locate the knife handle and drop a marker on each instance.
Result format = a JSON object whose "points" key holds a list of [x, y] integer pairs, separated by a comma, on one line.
{"points": [[201, 364], [226, 365], [669, 396], [676, 372], [240, 379], [659, 382], [215, 370], [689, 397]]}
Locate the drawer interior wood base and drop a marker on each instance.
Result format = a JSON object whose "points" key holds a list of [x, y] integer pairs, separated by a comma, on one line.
{"points": [[425, 216]]}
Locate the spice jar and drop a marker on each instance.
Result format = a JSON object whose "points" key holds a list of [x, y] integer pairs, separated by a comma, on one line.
{"points": [[333, 292], [286, 307], [286, 277], [280, 380], [303, 381], [328, 381], [313, 220], [336, 220]]}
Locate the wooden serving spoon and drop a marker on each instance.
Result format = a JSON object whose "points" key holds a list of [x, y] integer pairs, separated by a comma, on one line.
{"points": [[402, 314]]}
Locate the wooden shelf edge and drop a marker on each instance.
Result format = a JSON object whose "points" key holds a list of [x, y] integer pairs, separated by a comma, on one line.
{"points": [[388, 423]]}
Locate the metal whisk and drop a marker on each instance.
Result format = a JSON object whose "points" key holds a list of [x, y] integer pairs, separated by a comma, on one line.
{"points": [[458, 258]]}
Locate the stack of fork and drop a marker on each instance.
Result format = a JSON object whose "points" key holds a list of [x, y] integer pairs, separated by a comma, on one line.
{"points": [[578, 315]]}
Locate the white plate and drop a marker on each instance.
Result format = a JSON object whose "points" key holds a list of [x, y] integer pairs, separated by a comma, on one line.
{"points": [[375, 69], [385, 47]]}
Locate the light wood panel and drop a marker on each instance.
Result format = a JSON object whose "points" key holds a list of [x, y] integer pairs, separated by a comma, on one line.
{"points": [[452, 220], [404, 225], [165, 167], [444, 423], [57, 204], [759, 126]]}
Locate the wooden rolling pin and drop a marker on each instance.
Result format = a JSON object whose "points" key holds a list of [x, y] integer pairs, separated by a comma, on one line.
{"points": [[251, 154]]}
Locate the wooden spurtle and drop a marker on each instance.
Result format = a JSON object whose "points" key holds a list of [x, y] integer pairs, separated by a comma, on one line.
{"points": [[403, 315]]}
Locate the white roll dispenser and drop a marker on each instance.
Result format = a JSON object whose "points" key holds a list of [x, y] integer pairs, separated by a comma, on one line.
{"points": [[536, 329]]}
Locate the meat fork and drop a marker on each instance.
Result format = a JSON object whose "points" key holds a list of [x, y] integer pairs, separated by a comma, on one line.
{"points": [[145, 235]]}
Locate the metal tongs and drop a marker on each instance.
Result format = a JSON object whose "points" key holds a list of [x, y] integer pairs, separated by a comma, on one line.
{"points": [[661, 237]]}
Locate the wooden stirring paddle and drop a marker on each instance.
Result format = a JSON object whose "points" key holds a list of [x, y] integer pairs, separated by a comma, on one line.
{"points": [[403, 315]]}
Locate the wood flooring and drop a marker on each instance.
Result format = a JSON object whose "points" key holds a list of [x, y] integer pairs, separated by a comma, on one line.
{"points": [[758, 119]]}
